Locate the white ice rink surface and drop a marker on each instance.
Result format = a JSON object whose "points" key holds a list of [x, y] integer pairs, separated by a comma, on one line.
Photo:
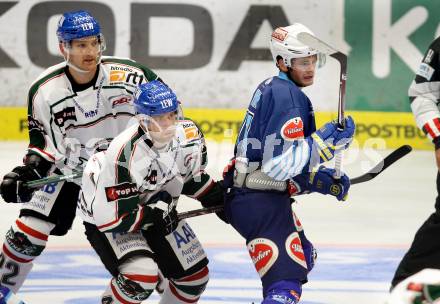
{"points": [[359, 242]]}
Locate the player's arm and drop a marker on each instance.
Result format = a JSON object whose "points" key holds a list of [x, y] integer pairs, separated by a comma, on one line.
{"points": [[127, 212], [45, 133], [288, 150], [198, 184], [42, 152], [424, 95], [117, 205], [207, 191]]}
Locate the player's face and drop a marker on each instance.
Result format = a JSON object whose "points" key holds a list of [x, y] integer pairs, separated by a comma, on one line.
{"points": [[162, 128], [160, 123], [84, 53], [303, 70]]}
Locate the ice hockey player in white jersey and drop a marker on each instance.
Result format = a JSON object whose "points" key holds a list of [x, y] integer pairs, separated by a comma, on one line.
{"points": [[75, 108], [129, 198]]}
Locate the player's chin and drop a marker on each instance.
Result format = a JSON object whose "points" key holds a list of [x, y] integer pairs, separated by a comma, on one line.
{"points": [[307, 81], [89, 65]]}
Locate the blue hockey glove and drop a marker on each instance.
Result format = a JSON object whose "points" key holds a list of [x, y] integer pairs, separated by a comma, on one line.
{"points": [[322, 181], [329, 139]]}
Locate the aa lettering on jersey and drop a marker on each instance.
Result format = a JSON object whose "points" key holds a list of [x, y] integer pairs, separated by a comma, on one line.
{"points": [[185, 245], [188, 234]]}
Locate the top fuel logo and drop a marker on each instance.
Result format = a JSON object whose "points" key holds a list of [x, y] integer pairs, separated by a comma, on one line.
{"points": [[121, 191]]}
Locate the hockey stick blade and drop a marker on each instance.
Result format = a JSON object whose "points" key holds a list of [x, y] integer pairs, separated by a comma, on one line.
{"points": [[380, 167], [317, 44]]}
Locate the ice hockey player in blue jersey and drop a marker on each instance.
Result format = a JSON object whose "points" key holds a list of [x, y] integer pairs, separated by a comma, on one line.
{"points": [[277, 154]]}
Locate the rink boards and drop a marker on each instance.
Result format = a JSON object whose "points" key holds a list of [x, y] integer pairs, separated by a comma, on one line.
{"points": [[380, 130], [342, 275]]}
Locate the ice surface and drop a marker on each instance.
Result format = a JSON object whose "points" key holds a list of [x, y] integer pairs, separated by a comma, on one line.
{"points": [[359, 242]]}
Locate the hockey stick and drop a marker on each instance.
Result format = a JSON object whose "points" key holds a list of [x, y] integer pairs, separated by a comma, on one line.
{"points": [[323, 47], [53, 179], [380, 167], [201, 211], [372, 173]]}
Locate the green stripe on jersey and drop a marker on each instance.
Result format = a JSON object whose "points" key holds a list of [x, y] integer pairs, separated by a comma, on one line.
{"points": [[34, 88], [195, 184], [126, 205]]}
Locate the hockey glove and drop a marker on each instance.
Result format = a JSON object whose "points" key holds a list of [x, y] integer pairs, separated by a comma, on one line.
{"points": [[164, 214], [329, 139], [322, 181], [214, 197], [13, 189]]}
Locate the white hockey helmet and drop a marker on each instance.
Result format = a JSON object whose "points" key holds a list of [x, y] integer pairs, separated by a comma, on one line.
{"points": [[284, 43]]}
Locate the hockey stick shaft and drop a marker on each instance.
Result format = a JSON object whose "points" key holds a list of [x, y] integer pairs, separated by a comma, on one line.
{"points": [[201, 211], [342, 59], [319, 45], [372, 173], [53, 179]]}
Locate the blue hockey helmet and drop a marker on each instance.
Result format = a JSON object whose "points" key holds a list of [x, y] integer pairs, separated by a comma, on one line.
{"points": [[77, 25], [155, 98]]}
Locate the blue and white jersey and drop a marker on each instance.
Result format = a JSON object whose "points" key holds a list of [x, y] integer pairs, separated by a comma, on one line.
{"points": [[274, 134]]}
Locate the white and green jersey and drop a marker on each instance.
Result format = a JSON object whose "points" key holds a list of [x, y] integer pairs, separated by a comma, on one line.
{"points": [[424, 93], [67, 125], [118, 183]]}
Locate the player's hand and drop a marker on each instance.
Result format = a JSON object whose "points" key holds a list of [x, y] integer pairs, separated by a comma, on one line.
{"points": [[13, 189], [322, 181], [164, 213], [215, 197], [330, 138]]}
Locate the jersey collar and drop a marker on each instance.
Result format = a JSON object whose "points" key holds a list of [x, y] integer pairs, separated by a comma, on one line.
{"points": [[284, 76], [76, 87]]}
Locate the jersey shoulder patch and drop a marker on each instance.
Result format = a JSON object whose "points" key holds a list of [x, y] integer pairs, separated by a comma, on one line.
{"points": [[126, 71], [293, 129], [188, 132]]}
